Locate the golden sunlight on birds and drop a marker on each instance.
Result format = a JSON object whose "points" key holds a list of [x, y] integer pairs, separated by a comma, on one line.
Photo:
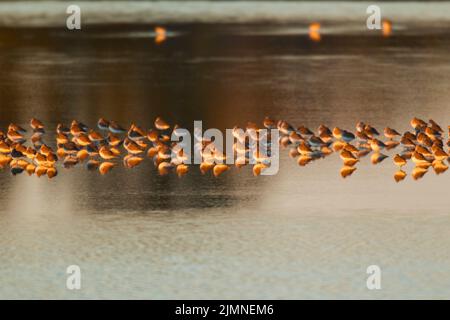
{"points": [[21, 151]]}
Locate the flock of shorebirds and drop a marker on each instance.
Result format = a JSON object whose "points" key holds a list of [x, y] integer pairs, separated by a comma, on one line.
{"points": [[424, 146], [99, 149]]}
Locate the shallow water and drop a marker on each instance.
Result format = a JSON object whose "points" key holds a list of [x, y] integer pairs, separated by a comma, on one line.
{"points": [[303, 233]]}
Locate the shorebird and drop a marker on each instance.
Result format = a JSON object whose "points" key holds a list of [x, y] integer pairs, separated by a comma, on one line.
{"points": [[407, 143], [304, 148], [106, 153], [269, 123], [417, 124], [440, 154], [387, 28], [418, 173], [40, 171], [325, 134], [136, 133], [131, 161], [16, 128], [295, 138], [284, 127], [399, 175], [337, 133], [15, 136], [95, 136], [347, 155], [30, 169], [390, 133], [105, 167], [439, 166], [164, 168], [36, 125], [132, 147], [316, 142], [435, 126], [370, 131], [376, 145], [304, 131], [347, 171], [420, 160], [376, 158], [116, 128], [360, 126], [70, 161], [160, 124], [257, 168], [347, 136], [60, 128], [426, 147]]}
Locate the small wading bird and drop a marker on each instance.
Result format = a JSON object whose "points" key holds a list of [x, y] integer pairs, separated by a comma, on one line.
{"points": [[101, 151], [160, 35]]}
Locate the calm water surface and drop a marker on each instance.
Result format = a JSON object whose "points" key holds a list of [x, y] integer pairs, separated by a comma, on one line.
{"points": [[303, 233]]}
